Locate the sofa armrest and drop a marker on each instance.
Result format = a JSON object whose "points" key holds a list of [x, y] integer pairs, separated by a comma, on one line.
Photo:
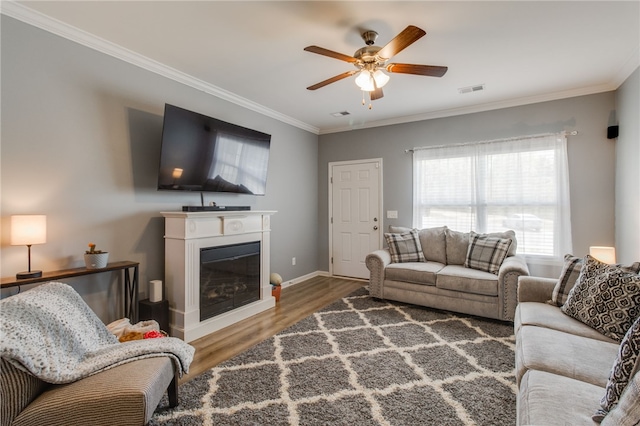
{"points": [[510, 271], [127, 394], [535, 289], [376, 262]]}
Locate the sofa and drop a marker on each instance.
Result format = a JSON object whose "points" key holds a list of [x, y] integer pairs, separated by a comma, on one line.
{"points": [[440, 268], [60, 365], [575, 363]]}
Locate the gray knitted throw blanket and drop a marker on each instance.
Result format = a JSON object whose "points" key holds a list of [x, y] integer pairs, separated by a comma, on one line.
{"points": [[52, 333]]}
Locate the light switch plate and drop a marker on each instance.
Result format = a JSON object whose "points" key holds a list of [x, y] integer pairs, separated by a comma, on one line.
{"points": [[392, 214]]}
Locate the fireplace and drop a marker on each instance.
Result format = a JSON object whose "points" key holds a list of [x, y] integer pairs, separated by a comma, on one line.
{"points": [[229, 277], [216, 269]]}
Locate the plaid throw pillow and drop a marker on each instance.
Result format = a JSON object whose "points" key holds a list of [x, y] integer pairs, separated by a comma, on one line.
{"points": [[486, 253], [624, 367], [569, 277], [606, 298], [405, 247]]}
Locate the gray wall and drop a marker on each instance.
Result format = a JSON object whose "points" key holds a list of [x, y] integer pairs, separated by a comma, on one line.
{"points": [[591, 160], [80, 143], [628, 170]]}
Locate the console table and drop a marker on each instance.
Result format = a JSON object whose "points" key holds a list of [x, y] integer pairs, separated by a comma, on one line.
{"points": [[130, 285]]}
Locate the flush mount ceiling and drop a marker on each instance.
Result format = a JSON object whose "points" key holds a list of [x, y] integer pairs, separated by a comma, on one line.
{"points": [[371, 60]]}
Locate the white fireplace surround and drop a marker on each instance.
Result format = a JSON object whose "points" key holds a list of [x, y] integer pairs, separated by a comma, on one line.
{"points": [[188, 232]]}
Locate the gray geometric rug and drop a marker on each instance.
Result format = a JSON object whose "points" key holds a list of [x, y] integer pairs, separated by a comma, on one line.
{"points": [[361, 361]]}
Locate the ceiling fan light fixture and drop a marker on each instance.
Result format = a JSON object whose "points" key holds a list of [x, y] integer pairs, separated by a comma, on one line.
{"points": [[380, 78], [364, 80]]}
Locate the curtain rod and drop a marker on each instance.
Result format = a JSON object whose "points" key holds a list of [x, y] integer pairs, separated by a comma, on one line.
{"points": [[543, 135]]}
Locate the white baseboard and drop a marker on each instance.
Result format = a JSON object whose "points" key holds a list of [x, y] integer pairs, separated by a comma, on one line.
{"points": [[306, 277], [313, 275]]}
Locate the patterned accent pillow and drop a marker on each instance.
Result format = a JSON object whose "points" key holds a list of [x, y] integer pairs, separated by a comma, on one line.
{"points": [[405, 247], [606, 298], [569, 277], [486, 253], [624, 367]]}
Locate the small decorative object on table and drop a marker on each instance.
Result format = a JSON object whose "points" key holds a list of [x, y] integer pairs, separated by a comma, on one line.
{"points": [[276, 285], [95, 259]]}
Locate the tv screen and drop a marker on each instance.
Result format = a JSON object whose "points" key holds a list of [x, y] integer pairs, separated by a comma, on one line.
{"points": [[201, 153]]}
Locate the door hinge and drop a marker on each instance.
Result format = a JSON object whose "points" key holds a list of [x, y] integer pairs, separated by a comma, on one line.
{"points": [[331, 179], [332, 260], [332, 220]]}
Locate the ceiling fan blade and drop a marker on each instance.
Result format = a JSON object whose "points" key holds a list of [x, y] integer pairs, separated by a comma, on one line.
{"points": [[408, 36], [428, 70], [332, 80], [330, 53], [376, 94]]}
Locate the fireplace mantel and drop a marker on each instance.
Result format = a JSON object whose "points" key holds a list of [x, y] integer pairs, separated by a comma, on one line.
{"points": [[188, 232]]}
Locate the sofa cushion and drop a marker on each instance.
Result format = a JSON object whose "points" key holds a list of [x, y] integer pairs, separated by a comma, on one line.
{"points": [[434, 244], [432, 240], [565, 354], [550, 399], [605, 297], [486, 253], [457, 245], [570, 274], [414, 272], [459, 278], [405, 247], [627, 411], [624, 368], [548, 316]]}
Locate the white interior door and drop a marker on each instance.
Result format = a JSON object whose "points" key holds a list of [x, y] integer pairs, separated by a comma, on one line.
{"points": [[355, 215]]}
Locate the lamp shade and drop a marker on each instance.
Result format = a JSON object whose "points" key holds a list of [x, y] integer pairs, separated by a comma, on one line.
{"points": [[364, 81], [603, 254], [380, 78], [177, 173], [28, 230]]}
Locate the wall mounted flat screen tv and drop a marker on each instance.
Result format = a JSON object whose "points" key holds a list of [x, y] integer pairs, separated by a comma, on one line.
{"points": [[201, 153]]}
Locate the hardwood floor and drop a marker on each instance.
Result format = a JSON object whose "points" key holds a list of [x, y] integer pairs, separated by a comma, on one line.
{"points": [[296, 302]]}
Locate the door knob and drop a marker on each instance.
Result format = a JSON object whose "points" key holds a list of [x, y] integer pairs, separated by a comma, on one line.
{"points": [[375, 228]]}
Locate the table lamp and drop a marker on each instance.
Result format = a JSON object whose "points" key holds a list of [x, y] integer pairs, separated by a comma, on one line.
{"points": [[27, 230], [603, 254]]}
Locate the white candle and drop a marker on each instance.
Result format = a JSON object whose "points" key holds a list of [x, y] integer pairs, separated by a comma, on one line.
{"points": [[155, 291]]}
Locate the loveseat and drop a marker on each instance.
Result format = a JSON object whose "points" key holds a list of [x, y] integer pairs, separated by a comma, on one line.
{"points": [[60, 365], [440, 268], [575, 363]]}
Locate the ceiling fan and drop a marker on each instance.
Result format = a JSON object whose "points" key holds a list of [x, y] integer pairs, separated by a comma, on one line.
{"points": [[371, 60]]}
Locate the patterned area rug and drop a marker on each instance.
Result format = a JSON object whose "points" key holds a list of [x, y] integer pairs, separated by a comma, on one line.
{"points": [[361, 361]]}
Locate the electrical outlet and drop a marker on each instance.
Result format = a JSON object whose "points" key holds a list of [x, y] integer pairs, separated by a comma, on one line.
{"points": [[392, 214], [293, 261]]}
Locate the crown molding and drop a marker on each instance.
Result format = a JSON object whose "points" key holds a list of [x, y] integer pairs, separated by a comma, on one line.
{"points": [[54, 26], [510, 103], [630, 65]]}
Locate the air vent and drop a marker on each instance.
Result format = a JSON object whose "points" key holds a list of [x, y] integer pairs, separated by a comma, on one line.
{"points": [[340, 114], [469, 89]]}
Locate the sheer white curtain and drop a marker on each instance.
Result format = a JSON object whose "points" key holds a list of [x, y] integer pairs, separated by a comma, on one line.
{"points": [[520, 184]]}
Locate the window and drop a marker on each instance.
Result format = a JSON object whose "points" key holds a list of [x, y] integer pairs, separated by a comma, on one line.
{"points": [[520, 184]]}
